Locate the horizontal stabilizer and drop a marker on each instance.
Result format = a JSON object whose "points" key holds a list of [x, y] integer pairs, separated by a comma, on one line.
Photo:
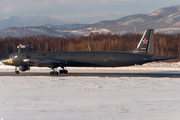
{"points": [[158, 58]]}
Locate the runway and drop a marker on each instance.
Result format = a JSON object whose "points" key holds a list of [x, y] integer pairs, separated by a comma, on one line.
{"points": [[175, 75]]}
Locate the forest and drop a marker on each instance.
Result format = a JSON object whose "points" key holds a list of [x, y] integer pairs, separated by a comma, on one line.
{"points": [[165, 45]]}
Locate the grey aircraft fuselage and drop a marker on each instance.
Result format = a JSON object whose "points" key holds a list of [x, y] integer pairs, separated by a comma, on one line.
{"points": [[83, 58]]}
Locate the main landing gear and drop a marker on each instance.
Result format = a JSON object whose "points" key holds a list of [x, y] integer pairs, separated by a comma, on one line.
{"points": [[60, 71], [63, 71], [53, 72]]}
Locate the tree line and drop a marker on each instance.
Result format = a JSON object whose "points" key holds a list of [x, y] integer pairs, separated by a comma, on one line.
{"points": [[165, 45]]}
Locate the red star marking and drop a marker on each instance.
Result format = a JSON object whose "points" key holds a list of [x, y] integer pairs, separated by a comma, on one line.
{"points": [[145, 41]]}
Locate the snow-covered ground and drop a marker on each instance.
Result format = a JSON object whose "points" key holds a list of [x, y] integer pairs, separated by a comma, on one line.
{"points": [[91, 98]]}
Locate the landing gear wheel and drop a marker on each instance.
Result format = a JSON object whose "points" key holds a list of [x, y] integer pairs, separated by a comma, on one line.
{"points": [[56, 73], [61, 71], [65, 71], [17, 72], [51, 73]]}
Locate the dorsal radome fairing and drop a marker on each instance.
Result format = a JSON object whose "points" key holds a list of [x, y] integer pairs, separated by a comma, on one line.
{"points": [[21, 47]]}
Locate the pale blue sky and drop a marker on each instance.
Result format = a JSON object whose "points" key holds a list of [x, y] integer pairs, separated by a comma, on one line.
{"points": [[64, 9]]}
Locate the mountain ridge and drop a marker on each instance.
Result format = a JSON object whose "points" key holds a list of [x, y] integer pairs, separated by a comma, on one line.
{"points": [[165, 20], [17, 21]]}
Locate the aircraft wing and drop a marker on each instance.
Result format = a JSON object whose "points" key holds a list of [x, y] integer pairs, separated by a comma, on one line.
{"points": [[46, 62]]}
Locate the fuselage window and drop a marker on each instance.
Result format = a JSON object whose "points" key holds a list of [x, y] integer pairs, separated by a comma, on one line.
{"points": [[105, 60]]}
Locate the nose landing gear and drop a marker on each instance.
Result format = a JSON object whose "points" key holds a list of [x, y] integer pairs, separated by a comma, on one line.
{"points": [[16, 71]]}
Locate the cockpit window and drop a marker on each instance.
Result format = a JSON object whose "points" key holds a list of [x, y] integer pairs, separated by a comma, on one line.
{"points": [[16, 56]]}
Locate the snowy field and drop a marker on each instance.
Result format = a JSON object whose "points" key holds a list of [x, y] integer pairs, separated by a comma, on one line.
{"points": [[91, 98]]}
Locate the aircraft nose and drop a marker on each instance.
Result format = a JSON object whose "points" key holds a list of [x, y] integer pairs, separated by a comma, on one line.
{"points": [[7, 61]]}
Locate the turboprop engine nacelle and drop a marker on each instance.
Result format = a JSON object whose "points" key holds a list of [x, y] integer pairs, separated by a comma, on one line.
{"points": [[24, 68]]}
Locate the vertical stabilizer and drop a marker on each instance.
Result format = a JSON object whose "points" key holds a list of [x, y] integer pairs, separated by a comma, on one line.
{"points": [[146, 44]]}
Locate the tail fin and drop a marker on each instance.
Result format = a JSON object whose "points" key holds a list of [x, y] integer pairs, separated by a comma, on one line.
{"points": [[146, 44]]}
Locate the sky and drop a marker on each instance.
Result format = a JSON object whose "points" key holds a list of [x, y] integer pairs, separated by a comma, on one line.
{"points": [[78, 9]]}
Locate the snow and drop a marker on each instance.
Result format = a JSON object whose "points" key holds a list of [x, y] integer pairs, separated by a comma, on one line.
{"points": [[105, 30], [100, 31], [89, 28], [168, 30], [166, 11], [86, 33], [91, 98]]}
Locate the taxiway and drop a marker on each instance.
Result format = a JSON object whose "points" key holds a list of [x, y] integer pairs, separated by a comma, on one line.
{"points": [[93, 74]]}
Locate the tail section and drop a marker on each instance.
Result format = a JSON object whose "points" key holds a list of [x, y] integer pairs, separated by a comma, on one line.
{"points": [[146, 44]]}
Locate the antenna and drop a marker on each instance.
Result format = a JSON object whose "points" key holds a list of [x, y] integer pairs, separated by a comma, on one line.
{"points": [[78, 32], [135, 28], [95, 26]]}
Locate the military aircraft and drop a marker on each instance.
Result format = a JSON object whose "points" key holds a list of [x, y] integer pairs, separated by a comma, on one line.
{"points": [[144, 53]]}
